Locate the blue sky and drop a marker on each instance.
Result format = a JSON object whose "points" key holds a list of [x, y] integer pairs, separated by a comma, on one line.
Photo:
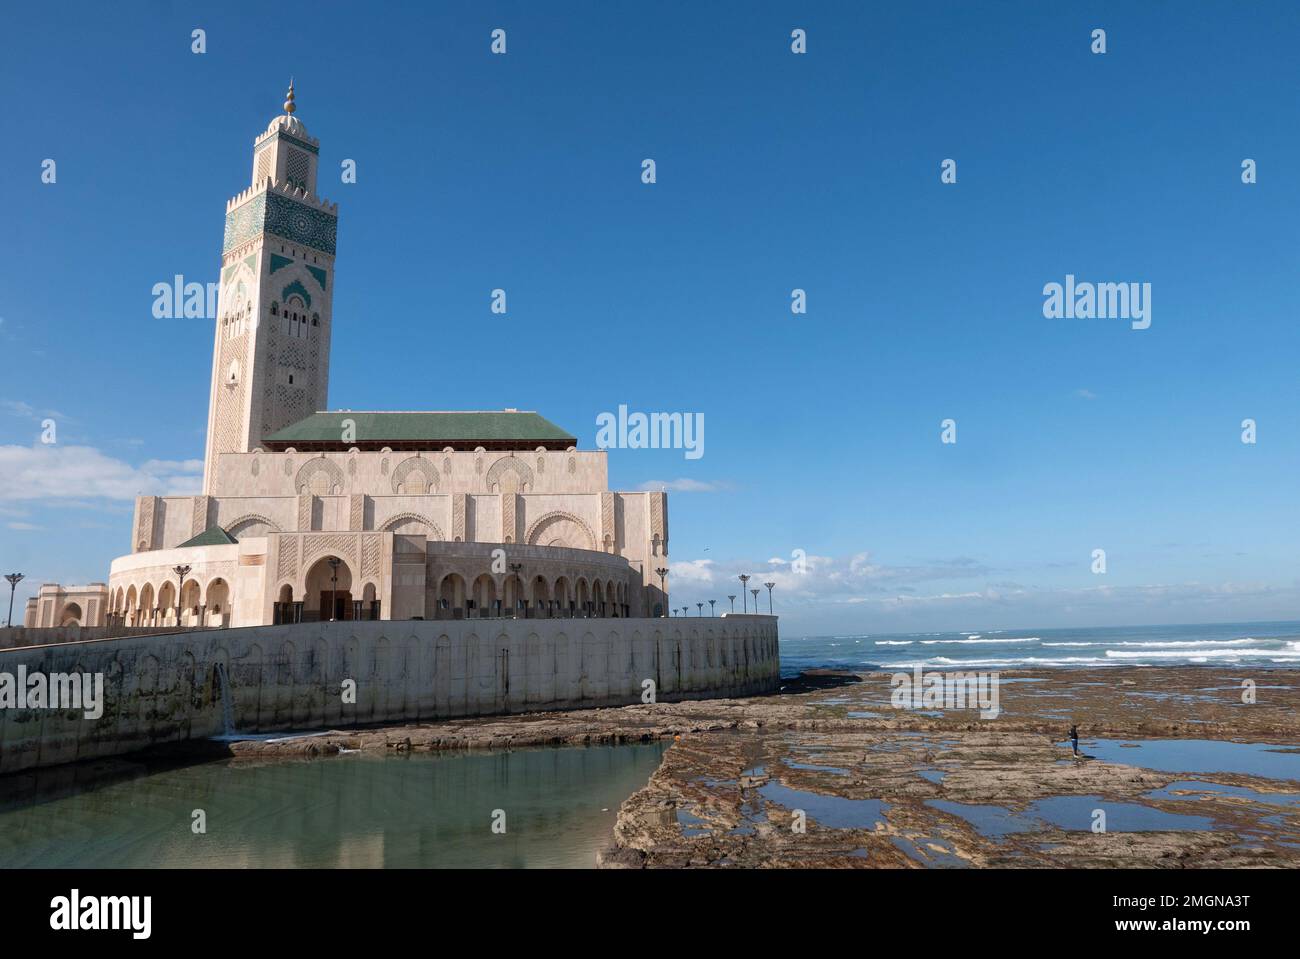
{"points": [[775, 171]]}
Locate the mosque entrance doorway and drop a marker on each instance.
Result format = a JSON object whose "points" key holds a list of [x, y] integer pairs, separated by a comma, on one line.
{"points": [[342, 604]]}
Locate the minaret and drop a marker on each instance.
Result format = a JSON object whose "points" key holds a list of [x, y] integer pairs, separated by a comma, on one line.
{"points": [[270, 363]]}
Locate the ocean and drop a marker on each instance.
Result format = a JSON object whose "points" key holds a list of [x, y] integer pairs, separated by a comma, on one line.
{"points": [[1245, 644]]}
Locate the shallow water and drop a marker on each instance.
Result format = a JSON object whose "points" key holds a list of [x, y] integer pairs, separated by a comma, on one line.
{"points": [[813, 767], [1184, 788], [1074, 813], [834, 812], [932, 851], [1198, 756], [414, 810]]}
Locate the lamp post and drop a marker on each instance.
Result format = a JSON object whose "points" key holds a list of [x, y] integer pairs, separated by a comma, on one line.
{"points": [[700, 607], [515, 568], [711, 602], [754, 592], [334, 584], [180, 572], [14, 580], [744, 578], [732, 597], [769, 597], [662, 571]]}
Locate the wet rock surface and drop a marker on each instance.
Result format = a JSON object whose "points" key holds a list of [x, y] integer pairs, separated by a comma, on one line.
{"points": [[827, 773]]}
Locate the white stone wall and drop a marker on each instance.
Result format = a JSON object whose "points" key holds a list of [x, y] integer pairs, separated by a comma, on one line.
{"points": [[239, 566], [55, 605], [384, 473], [626, 525], [407, 573], [162, 688]]}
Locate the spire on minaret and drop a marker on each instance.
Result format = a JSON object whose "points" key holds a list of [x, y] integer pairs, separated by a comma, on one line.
{"points": [[288, 103]]}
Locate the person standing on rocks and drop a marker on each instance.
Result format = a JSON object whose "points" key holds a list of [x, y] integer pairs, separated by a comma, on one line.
{"points": [[1074, 739]]}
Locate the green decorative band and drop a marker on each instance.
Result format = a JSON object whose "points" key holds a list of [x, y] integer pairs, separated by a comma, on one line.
{"points": [[279, 262], [275, 213], [320, 275], [292, 139]]}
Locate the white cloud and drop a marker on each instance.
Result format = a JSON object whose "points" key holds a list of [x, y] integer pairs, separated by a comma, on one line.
{"points": [[18, 408], [1085, 394], [825, 580], [857, 591], [684, 486], [70, 472], [697, 571], [27, 411]]}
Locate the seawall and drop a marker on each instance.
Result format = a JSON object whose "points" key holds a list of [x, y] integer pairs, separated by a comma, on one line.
{"points": [[12, 636], [167, 688]]}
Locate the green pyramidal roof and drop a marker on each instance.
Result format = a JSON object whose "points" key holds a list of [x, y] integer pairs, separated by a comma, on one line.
{"points": [[343, 429], [212, 536]]}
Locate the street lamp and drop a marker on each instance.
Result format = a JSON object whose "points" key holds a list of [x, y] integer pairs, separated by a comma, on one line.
{"points": [[515, 568], [769, 597], [334, 584], [744, 578], [14, 580], [754, 592], [732, 597], [700, 607], [180, 572], [662, 571], [711, 602]]}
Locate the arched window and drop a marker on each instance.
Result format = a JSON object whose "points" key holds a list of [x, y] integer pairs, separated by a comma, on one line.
{"points": [[295, 316], [275, 308], [315, 319]]}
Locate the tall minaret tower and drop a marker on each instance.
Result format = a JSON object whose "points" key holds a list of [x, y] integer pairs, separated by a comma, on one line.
{"points": [[270, 364]]}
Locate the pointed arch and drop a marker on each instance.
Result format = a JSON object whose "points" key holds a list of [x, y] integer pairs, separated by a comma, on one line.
{"points": [[251, 524], [320, 477], [415, 475], [402, 519], [509, 464], [559, 528]]}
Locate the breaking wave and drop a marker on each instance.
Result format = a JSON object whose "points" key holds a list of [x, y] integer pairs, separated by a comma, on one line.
{"points": [[944, 642]]}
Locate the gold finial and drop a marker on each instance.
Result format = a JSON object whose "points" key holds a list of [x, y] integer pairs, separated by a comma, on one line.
{"points": [[288, 103]]}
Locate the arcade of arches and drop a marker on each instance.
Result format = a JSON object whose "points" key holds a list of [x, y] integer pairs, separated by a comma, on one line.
{"points": [[330, 585], [154, 604]]}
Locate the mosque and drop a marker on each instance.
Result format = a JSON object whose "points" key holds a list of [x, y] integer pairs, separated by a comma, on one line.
{"points": [[308, 513]]}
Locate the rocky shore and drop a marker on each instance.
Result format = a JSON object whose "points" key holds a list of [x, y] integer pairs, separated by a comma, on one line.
{"points": [[826, 773]]}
